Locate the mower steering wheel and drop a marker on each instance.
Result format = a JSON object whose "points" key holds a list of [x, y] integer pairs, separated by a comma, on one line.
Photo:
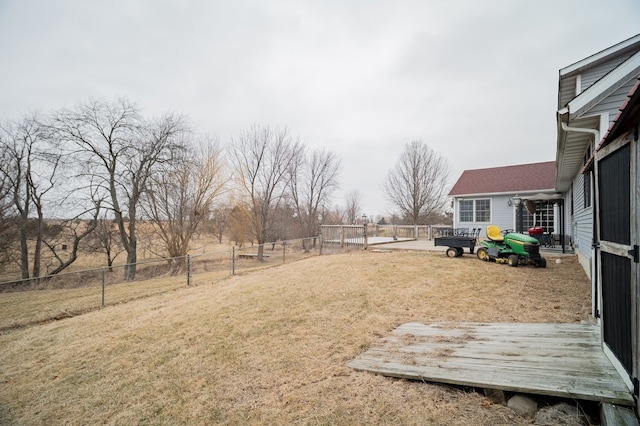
{"points": [[506, 231]]}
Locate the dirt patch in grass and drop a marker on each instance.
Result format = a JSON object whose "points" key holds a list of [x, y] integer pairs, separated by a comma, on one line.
{"points": [[270, 347]]}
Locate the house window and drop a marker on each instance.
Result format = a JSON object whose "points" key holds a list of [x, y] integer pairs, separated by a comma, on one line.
{"points": [[483, 211], [572, 199], [587, 180], [475, 210], [466, 210], [543, 217], [587, 189], [528, 220]]}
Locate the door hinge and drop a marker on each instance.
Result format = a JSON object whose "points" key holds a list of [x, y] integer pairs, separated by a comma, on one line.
{"points": [[635, 253]]}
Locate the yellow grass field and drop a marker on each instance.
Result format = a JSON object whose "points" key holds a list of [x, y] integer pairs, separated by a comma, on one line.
{"points": [[270, 346]]}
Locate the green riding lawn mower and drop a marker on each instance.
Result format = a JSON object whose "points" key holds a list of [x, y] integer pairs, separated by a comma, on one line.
{"points": [[511, 248]]}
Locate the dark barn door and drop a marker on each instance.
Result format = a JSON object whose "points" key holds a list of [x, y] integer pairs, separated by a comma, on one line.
{"points": [[616, 261]]}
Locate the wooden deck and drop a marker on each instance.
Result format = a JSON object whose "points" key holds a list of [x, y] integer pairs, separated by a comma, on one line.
{"points": [[563, 360]]}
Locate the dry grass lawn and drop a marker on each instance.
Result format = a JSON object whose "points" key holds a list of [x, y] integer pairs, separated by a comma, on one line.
{"points": [[270, 347]]}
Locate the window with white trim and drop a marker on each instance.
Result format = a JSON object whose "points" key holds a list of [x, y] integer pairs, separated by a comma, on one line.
{"points": [[544, 217], [466, 211], [475, 211], [483, 210]]}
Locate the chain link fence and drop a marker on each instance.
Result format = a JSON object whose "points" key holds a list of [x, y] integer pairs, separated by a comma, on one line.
{"points": [[39, 300], [49, 298]]}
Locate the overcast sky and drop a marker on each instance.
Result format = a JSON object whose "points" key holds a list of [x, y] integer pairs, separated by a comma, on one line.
{"points": [[475, 80]]}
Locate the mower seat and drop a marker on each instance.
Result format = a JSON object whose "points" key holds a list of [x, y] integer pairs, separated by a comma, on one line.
{"points": [[493, 233]]}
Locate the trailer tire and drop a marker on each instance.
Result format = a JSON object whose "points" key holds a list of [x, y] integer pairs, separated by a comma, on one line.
{"points": [[460, 251], [452, 252], [513, 260], [482, 254]]}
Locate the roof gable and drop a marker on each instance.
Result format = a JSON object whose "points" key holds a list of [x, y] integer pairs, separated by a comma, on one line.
{"points": [[581, 117], [629, 108], [519, 178], [628, 45], [602, 88]]}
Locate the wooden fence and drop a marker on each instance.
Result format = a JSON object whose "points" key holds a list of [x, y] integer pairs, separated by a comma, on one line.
{"points": [[360, 235]]}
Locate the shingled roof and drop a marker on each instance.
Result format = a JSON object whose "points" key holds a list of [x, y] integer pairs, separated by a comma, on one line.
{"points": [[521, 178]]}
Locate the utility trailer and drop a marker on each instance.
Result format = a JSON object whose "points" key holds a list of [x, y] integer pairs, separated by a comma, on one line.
{"points": [[456, 244]]}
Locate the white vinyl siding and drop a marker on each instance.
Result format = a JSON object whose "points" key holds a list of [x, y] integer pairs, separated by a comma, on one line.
{"points": [[567, 92], [502, 214], [612, 102], [590, 76], [582, 220]]}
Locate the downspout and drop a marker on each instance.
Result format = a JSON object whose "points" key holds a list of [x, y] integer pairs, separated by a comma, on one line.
{"points": [[594, 132], [594, 243]]}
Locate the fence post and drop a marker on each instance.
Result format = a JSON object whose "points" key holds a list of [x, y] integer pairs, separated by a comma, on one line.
{"points": [[341, 235], [103, 279], [364, 234], [320, 242], [284, 244], [188, 270], [233, 260]]}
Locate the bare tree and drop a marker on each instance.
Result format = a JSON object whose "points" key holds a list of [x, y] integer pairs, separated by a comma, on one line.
{"points": [[217, 222], [353, 206], [264, 159], [34, 170], [42, 180], [314, 178], [15, 168], [334, 216], [121, 151], [8, 225], [76, 230], [416, 185], [30, 170], [105, 239], [180, 198]]}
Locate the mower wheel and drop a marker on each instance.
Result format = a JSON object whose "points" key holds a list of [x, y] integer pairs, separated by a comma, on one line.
{"points": [[542, 263], [452, 252], [513, 260], [482, 254]]}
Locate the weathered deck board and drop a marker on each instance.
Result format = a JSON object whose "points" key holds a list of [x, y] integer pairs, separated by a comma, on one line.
{"points": [[563, 360]]}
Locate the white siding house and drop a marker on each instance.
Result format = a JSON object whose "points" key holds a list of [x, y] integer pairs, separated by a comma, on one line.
{"points": [[590, 93], [496, 196], [597, 171]]}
